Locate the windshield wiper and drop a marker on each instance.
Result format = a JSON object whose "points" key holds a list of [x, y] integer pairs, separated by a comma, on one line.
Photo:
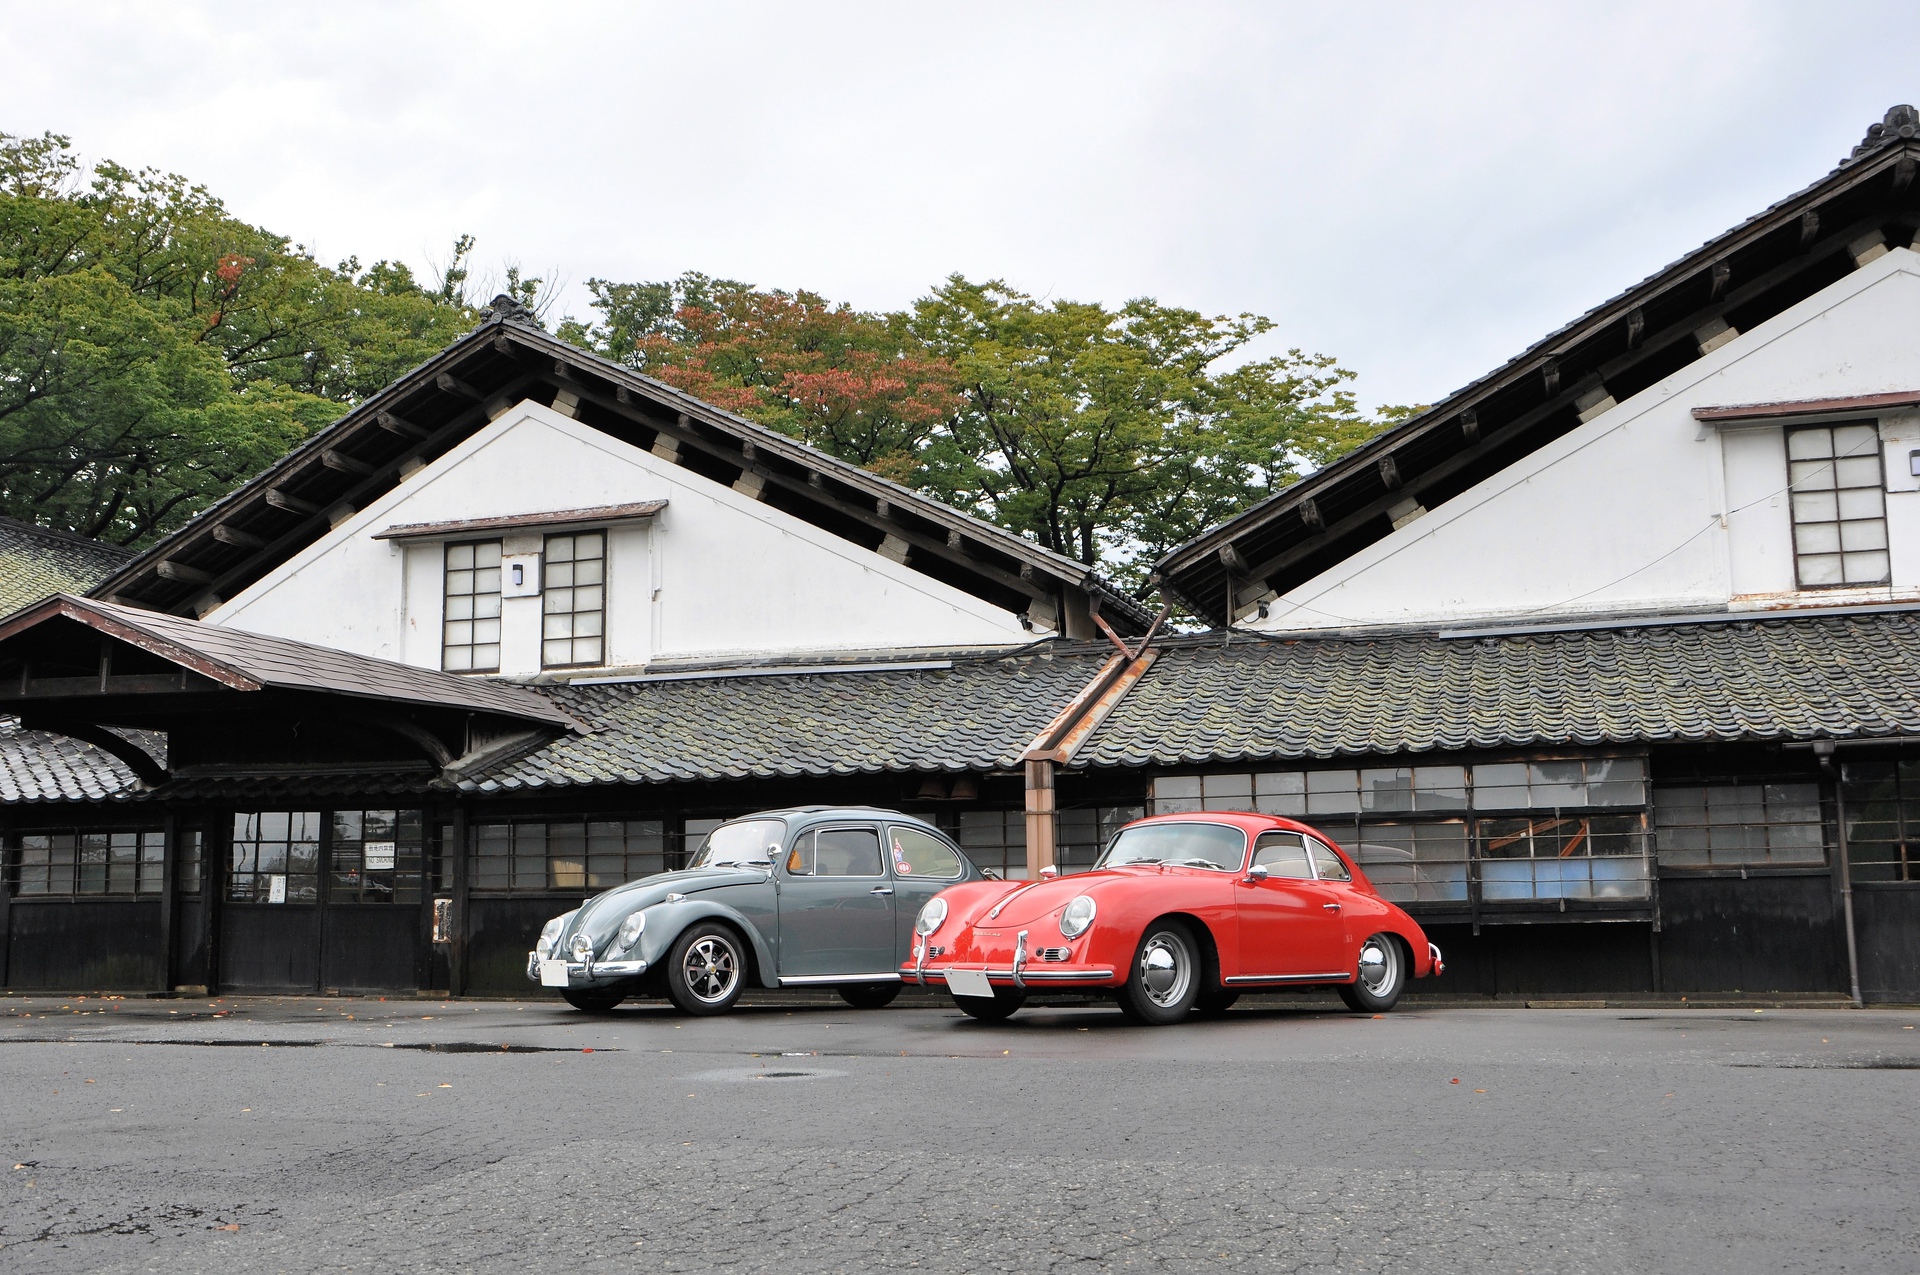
{"points": [[1134, 863], [1198, 863]]}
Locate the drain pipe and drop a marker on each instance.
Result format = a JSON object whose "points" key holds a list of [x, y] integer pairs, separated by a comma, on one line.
{"points": [[1823, 750]]}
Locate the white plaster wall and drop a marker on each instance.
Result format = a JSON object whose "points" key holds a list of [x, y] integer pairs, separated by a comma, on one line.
{"points": [[1643, 509], [714, 573]]}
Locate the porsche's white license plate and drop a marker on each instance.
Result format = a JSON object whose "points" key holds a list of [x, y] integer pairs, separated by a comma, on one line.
{"points": [[553, 973], [968, 983]]}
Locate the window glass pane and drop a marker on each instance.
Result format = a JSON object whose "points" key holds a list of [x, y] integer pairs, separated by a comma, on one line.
{"points": [[1386, 790], [921, 854], [1326, 863], [847, 852], [1172, 794], [1283, 854], [572, 606], [1333, 792], [800, 855], [470, 631], [1439, 787], [1839, 505]]}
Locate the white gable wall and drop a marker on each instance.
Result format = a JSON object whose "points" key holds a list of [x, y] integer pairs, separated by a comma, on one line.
{"points": [[1642, 508], [715, 573]]}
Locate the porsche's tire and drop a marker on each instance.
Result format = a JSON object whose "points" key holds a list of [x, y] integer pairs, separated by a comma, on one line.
{"points": [[1212, 1004], [594, 1000], [998, 1008], [1165, 979], [870, 995], [1381, 978], [706, 969]]}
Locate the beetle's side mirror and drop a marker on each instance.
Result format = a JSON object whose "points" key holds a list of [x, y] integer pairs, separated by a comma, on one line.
{"points": [[1258, 872]]}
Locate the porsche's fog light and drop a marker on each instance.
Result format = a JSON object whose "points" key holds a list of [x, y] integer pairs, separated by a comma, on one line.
{"points": [[631, 929], [931, 917], [581, 948], [1077, 916]]}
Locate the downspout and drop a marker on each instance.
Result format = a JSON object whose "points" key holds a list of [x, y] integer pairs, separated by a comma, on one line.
{"points": [[1824, 751], [1055, 745]]}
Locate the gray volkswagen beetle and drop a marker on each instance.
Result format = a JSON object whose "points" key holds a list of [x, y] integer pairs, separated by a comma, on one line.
{"points": [[819, 896]]}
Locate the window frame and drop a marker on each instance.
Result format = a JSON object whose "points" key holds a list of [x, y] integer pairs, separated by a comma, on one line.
{"points": [[1794, 524], [446, 598], [547, 591]]}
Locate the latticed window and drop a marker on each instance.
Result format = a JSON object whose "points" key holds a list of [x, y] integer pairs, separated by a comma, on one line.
{"points": [[1084, 833], [75, 862], [572, 855], [1730, 825], [1839, 505], [1883, 819], [470, 631], [996, 841], [376, 856], [276, 857], [574, 604]]}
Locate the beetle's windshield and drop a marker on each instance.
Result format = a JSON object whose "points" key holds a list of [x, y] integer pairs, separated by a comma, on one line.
{"points": [[752, 842], [1194, 845]]}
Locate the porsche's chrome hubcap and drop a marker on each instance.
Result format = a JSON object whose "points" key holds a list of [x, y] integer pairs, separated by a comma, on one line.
{"points": [[1165, 969], [1379, 966], [711, 967]]}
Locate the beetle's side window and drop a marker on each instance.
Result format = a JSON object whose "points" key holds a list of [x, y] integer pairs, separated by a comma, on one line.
{"points": [[847, 852], [800, 858], [1283, 854], [1327, 864], [921, 854]]}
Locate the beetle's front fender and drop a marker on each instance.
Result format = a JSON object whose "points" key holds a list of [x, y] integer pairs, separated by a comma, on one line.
{"points": [[666, 922]]}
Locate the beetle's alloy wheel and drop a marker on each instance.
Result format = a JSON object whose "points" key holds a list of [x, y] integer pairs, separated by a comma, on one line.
{"points": [[1166, 968], [711, 968]]}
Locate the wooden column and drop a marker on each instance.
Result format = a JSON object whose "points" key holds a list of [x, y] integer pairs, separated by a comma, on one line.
{"points": [[462, 916], [1042, 823], [169, 895], [7, 857]]}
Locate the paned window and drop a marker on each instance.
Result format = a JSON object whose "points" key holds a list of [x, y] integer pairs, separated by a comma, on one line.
{"points": [[996, 841], [96, 863], [574, 602], [1564, 857], [276, 857], [1084, 833], [1839, 505], [470, 629], [1738, 825], [589, 854], [1415, 862], [1883, 819], [1555, 785], [375, 856]]}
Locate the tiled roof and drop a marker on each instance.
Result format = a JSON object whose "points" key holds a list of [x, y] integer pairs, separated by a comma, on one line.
{"points": [[36, 765], [978, 714], [1806, 677], [36, 563]]}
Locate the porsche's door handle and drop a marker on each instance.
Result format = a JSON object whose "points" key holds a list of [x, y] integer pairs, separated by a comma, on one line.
{"points": [[887, 889], [1331, 907]]}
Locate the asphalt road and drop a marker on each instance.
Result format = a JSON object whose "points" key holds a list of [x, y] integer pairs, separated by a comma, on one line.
{"points": [[337, 1134]]}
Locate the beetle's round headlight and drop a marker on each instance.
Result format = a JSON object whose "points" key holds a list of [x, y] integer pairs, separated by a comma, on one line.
{"points": [[1077, 916], [931, 917], [581, 947], [550, 934], [631, 929]]}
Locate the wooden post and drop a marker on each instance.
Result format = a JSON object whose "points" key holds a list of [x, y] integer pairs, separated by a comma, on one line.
{"points": [[1042, 823], [169, 895], [457, 953], [7, 883]]}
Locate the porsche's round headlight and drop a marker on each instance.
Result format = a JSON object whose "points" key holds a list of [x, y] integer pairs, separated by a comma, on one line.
{"points": [[631, 929], [581, 947], [931, 917], [1077, 916]]}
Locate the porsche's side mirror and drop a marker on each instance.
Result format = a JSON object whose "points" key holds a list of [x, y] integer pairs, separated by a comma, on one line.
{"points": [[1049, 872], [1258, 872]]}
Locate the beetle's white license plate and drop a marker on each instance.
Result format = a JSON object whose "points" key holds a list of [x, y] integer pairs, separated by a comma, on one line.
{"points": [[968, 983], [553, 973]]}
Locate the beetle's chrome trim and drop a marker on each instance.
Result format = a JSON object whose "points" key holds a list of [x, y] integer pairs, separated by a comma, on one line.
{"points": [[1439, 966], [1034, 976], [1336, 975], [810, 980], [1020, 959]]}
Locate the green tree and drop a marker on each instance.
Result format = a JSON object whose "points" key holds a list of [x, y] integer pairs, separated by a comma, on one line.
{"points": [[155, 351]]}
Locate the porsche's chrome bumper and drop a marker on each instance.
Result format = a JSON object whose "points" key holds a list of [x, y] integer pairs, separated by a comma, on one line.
{"points": [[1085, 974], [1439, 966]]}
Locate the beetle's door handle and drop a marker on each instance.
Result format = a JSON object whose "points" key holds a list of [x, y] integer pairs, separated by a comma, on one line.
{"points": [[1331, 907], [887, 889]]}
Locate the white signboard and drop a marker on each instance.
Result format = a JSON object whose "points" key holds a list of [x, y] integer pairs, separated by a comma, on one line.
{"points": [[379, 856], [277, 887]]}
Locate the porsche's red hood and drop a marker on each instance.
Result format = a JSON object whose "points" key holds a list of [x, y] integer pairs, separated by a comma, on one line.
{"points": [[1039, 900]]}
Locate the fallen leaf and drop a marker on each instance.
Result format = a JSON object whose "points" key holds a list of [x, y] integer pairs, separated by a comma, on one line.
{"points": [[446, 1086], [231, 1226], [1479, 1091], [1454, 1081]]}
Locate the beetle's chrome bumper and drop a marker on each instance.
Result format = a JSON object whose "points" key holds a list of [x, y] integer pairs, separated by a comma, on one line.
{"points": [[588, 973]]}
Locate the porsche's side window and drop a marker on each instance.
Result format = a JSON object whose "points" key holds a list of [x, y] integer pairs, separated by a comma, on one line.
{"points": [[1327, 864], [847, 852], [921, 854], [800, 858], [1283, 854]]}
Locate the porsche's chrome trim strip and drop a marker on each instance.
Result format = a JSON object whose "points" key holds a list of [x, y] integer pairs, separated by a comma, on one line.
{"points": [[1000, 907], [809, 980], [1287, 978], [1035, 975]]}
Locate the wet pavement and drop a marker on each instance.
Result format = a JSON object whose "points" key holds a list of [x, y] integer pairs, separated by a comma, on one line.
{"points": [[801, 1135]]}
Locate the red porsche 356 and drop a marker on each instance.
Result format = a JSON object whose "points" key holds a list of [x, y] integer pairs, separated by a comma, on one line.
{"points": [[1182, 912]]}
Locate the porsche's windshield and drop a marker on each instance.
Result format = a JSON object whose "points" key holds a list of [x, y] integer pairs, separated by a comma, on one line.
{"points": [[1193, 845], [753, 843]]}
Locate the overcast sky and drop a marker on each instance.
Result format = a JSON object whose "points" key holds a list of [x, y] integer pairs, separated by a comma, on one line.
{"points": [[1419, 190]]}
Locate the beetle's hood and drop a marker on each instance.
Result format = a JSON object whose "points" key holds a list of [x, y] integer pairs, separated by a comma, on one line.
{"points": [[602, 914], [1033, 901]]}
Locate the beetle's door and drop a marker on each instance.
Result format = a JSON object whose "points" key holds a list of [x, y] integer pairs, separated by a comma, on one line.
{"points": [[1290, 923], [836, 905]]}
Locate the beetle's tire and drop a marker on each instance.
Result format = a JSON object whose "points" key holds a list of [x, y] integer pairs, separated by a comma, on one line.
{"points": [[1215, 1002], [1382, 976], [997, 1008], [1165, 979], [594, 1000], [706, 969], [870, 995]]}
